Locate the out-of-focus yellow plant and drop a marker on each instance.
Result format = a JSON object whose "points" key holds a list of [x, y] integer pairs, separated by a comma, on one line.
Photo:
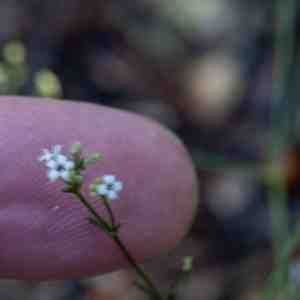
{"points": [[47, 84], [14, 73]]}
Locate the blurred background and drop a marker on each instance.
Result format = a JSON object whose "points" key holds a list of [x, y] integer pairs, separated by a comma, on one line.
{"points": [[201, 68]]}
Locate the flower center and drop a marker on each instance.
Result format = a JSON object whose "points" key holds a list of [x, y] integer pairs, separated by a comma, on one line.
{"points": [[60, 168], [110, 186]]}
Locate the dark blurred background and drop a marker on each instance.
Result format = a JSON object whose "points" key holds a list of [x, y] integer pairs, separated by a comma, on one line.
{"points": [[201, 68]]}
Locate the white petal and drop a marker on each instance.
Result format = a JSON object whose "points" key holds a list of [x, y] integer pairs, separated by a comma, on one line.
{"points": [[42, 158], [102, 190], [109, 179], [52, 164], [45, 156], [69, 165], [65, 175], [61, 159], [112, 195], [56, 149], [53, 175], [118, 186]]}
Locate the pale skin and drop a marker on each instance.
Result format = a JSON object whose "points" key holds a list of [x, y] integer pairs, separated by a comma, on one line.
{"points": [[44, 234]]}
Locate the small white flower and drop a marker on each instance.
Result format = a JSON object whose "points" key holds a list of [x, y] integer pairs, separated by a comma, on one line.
{"points": [[59, 167], [49, 155], [109, 187]]}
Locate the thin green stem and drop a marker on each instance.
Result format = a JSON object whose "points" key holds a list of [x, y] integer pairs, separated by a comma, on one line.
{"points": [[284, 45], [88, 205], [295, 104], [130, 259], [291, 244], [280, 134], [279, 219], [110, 212], [137, 268], [284, 40], [112, 230], [97, 218]]}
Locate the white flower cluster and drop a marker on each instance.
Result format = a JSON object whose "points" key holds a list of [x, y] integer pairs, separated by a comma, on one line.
{"points": [[59, 166]]}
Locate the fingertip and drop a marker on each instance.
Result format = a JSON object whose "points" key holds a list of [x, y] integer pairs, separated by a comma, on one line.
{"points": [[158, 202]]}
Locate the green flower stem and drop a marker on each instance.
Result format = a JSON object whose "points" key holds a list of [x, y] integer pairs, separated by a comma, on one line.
{"points": [[113, 233], [110, 213], [284, 41], [92, 210], [292, 242], [285, 12], [284, 44], [137, 268]]}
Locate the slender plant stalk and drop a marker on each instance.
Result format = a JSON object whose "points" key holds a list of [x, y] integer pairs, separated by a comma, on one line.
{"points": [[110, 212], [280, 137], [280, 118], [137, 268], [112, 230], [94, 213]]}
